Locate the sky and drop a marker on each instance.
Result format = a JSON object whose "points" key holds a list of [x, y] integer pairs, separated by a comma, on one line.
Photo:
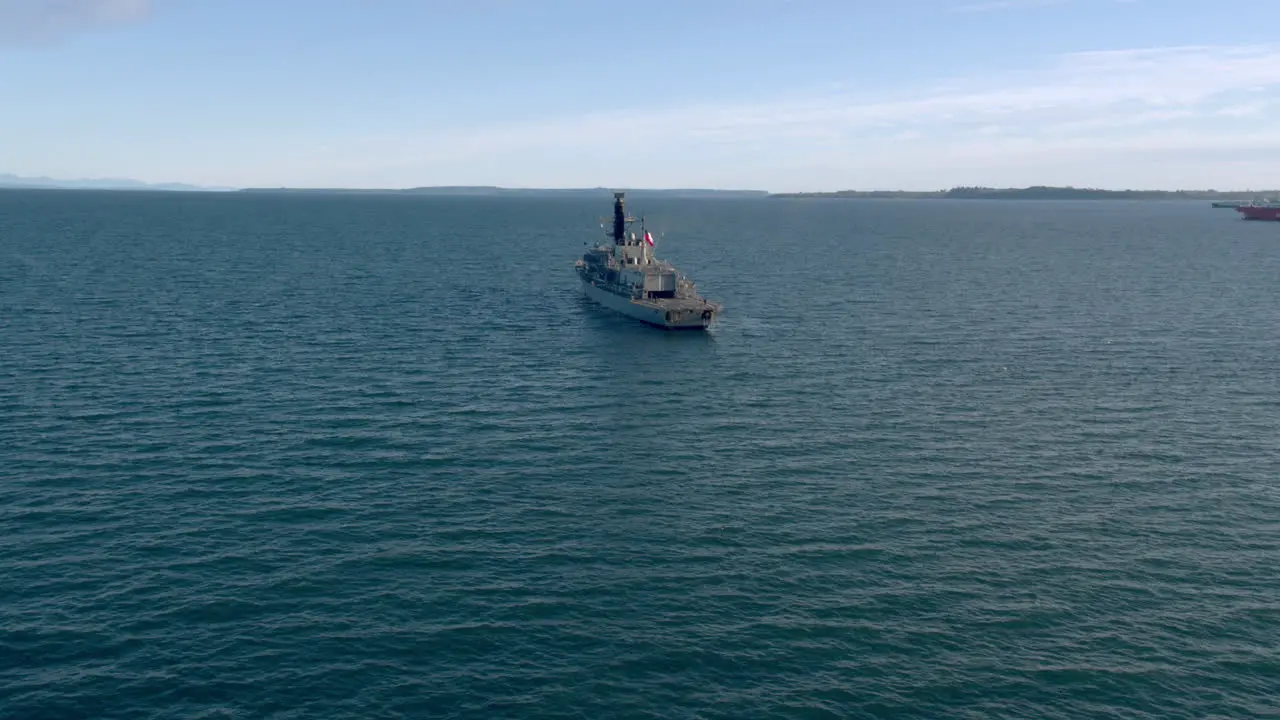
{"points": [[778, 95]]}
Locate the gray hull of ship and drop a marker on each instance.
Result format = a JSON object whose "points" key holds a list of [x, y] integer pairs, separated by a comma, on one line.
{"points": [[683, 315]]}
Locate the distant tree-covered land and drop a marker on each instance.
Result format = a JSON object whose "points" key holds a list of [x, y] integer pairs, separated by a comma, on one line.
{"points": [[1044, 192], [492, 191]]}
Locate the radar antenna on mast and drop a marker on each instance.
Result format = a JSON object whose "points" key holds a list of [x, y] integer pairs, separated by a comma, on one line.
{"points": [[620, 220]]}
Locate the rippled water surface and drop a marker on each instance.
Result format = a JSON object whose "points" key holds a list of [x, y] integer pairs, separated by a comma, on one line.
{"points": [[375, 457]]}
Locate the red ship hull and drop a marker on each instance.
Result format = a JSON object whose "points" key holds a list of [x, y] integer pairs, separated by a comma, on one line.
{"points": [[1259, 212]]}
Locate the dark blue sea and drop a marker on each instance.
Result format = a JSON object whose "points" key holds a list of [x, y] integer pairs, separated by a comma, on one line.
{"points": [[287, 457]]}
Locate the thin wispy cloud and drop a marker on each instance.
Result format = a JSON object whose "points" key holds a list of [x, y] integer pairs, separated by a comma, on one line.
{"points": [[1078, 93], [40, 22], [1069, 120]]}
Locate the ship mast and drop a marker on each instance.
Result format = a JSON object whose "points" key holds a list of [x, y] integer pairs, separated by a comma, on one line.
{"points": [[644, 244]]}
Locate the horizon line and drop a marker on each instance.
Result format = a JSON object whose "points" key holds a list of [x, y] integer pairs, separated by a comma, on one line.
{"points": [[17, 182]]}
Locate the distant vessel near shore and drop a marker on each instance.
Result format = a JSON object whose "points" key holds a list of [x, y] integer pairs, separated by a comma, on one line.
{"points": [[625, 276], [1260, 211]]}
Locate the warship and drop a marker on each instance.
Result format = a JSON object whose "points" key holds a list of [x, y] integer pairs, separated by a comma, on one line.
{"points": [[625, 276]]}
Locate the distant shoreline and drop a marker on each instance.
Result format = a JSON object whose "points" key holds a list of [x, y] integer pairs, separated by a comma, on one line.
{"points": [[494, 191], [1036, 192], [1041, 192], [962, 193]]}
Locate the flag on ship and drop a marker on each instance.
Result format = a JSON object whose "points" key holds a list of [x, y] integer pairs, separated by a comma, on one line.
{"points": [[648, 237]]}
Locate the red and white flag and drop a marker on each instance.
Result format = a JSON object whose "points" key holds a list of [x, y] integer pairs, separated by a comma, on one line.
{"points": [[648, 237]]}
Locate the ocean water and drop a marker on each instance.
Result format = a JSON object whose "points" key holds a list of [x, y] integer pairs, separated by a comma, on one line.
{"points": [[376, 457]]}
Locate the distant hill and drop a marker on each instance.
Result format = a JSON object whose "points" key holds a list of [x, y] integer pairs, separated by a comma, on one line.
{"points": [[493, 191], [1044, 192], [17, 181], [1035, 192]]}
